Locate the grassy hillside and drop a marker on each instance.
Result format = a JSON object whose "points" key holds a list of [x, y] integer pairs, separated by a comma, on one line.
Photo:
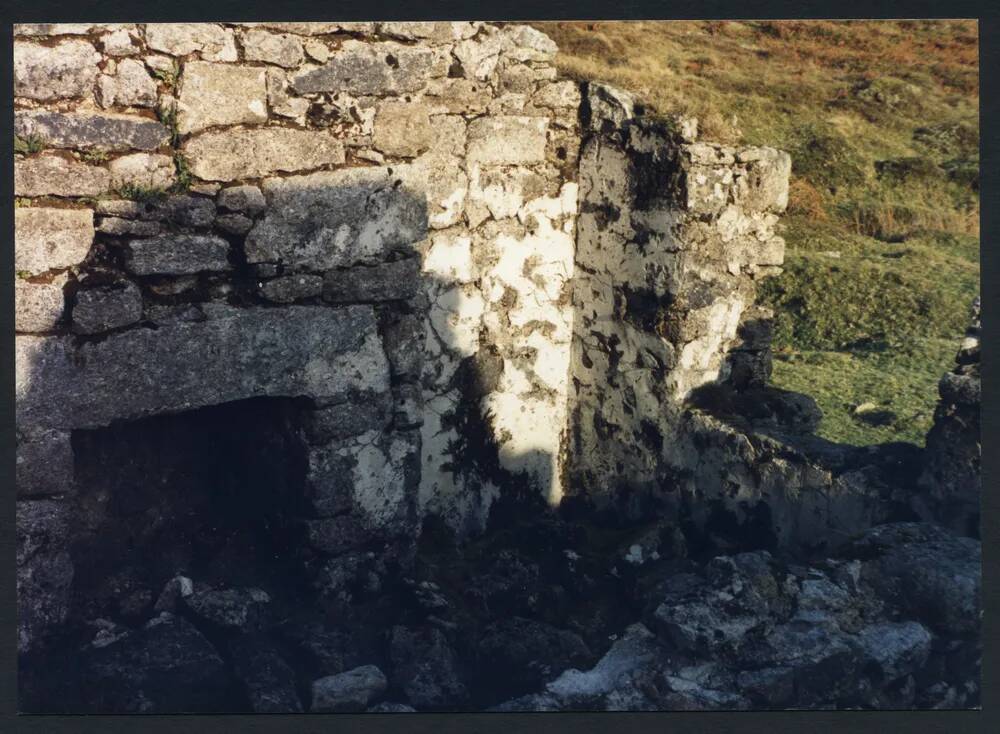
{"points": [[881, 120]]}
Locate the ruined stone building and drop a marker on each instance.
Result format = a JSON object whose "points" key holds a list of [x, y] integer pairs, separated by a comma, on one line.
{"points": [[399, 273]]}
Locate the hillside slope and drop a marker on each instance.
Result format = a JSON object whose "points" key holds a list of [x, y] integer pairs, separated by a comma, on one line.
{"points": [[881, 120]]}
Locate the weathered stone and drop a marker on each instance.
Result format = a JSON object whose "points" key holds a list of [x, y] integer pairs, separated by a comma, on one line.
{"points": [[317, 50], [269, 680], [177, 254], [430, 30], [247, 199], [249, 153], [44, 569], [387, 282], [298, 350], [221, 94], [38, 306], [478, 56], [272, 48], [234, 223], [426, 668], [292, 288], [337, 219], [90, 130], [165, 667], [351, 418], [53, 175], [350, 691], [403, 128], [336, 535], [47, 239], [369, 68], [215, 42], [119, 227], [280, 101], [498, 140], [55, 29], [242, 609], [44, 463], [188, 211], [119, 43], [108, 307], [67, 69], [131, 86], [526, 37], [148, 170], [897, 648], [564, 94]]}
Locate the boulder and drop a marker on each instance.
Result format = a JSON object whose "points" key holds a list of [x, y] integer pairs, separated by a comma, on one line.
{"points": [[353, 690]]}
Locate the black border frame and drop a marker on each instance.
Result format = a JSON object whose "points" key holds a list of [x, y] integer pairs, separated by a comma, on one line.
{"points": [[818, 722]]}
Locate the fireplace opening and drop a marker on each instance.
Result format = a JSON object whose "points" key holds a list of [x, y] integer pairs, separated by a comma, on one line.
{"points": [[212, 494]]}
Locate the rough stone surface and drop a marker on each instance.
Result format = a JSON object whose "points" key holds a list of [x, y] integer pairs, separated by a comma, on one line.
{"points": [[44, 463], [250, 153], [296, 351], [425, 667], [44, 569], [363, 68], [178, 255], [336, 219], [273, 48], [53, 175], [292, 288], [67, 69], [48, 239], [91, 130], [506, 140], [403, 128], [107, 307], [130, 86], [387, 282], [248, 199], [38, 306], [212, 41], [242, 609], [269, 680], [148, 170], [221, 94], [165, 667], [349, 691]]}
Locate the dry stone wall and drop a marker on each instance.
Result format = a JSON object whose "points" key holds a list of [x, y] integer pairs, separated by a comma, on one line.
{"points": [[377, 218]]}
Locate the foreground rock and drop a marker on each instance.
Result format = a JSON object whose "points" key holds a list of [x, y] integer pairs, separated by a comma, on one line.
{"points": [[350, 691]]}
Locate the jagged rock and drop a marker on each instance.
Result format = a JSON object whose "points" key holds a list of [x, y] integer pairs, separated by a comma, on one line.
{"points": [[221, 94], [108, 307], [391, 708], [67, 69], [177, 254], [91, 130], [638, 648], [897, 648], [250, 153], [425, 668], [121, 227], [350, 691], [166, 667], [38, 306], [119, 43], [932, 575], [518, 654], [431, 30], [366, 68], [269, 680], [240, 608], [53, 175], [48, 239], [176, 589], [387, 282]]}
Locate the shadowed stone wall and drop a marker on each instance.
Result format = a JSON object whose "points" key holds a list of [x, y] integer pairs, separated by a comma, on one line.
{"points": [[376, 218]]}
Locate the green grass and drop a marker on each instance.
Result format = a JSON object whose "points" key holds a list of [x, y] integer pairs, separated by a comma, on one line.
{"points": [[901, 380], [881, 121], [28, 145]]}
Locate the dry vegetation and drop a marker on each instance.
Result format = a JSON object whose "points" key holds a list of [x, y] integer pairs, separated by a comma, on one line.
{"points": [[881, 119]]}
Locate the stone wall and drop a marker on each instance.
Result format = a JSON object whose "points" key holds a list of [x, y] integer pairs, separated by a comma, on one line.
{"points": [[213, 212]]}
